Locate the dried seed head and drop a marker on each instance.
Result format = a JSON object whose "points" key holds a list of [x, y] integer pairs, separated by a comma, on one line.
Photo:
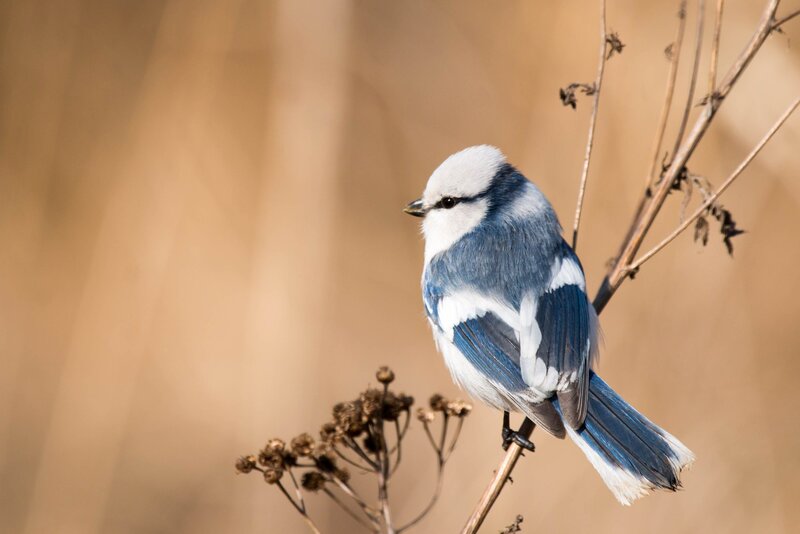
{"points": [[458, 408], [342, 474], [270, 459], [371, 444], [245, 464], [371, 403], [385, 375], [275, 445], [329, 433], [407, 401], [424, 415], [271, 475], [303, 445], [438, 403], [326, 463], [349, 418], [312, 481], [392, 406]]}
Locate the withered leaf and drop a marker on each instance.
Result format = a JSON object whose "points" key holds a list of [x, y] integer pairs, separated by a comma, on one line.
{"points": [[701, 231]]}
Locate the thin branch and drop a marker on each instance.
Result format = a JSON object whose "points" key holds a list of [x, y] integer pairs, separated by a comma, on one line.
{"points": [[712, 73], [642, 222], [372, 526], [443, 437], [780, 22], [592, 124], [431, 503], [301, 511], [698, 48], [398, 446], [350, 461], [714, 196], [350, 492], [297, 490], [358, 450], [455, 439], [430, 436], [499, 479], [675, 56]]}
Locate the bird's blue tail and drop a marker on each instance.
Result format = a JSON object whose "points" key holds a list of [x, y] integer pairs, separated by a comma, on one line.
{"points": [[631, 454]]}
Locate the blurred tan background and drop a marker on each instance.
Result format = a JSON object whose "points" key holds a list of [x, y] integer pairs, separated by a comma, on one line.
{"points": [[201, 247]]}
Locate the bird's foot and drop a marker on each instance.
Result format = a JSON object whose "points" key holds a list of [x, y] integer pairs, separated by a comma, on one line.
{"points": [[512, 436]]}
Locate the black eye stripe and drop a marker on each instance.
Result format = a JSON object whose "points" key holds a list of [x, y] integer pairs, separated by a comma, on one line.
{"points": [[447, 202]]}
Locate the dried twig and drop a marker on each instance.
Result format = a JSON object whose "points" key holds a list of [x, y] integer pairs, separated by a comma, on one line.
{"points": [[674, 56], [712, 73], [781, 21], [716, 194], [642, 222], [698, 48], [598, 83]]}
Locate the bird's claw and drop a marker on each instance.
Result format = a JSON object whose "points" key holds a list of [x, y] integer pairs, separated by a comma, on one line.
{"points": [[510, 436]]}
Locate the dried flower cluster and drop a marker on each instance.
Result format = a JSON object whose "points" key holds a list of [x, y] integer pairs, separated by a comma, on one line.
{"points": [[365, 433]]}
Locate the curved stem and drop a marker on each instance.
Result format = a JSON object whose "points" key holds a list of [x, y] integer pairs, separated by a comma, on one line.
{"points": [[437, 491], [781, 21], [372, 526], [698, 48], [592, 124], [670, 91]]}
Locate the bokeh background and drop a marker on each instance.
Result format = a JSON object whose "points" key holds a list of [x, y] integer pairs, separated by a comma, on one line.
{"points": [[201, 247]]}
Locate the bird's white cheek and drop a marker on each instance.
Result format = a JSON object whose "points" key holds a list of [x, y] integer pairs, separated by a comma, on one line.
{"points": [[444, 227]]}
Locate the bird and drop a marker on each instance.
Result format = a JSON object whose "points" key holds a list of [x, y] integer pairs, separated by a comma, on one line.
{"points": [[505, 296]]}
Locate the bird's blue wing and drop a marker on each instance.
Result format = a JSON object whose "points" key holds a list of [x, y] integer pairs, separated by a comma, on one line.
{"points": [[491, 346], [567, 325]]}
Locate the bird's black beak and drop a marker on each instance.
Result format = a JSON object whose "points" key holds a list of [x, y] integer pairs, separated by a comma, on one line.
{"points": [[416, 208]]}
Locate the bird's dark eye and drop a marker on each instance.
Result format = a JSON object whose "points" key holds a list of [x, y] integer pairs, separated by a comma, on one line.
{"points": [[448, 202]]}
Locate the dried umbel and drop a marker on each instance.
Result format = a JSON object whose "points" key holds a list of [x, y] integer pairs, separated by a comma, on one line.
{"points": [[365, 433]]}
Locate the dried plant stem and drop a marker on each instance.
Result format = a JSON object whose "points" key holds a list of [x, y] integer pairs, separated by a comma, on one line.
{"points": [[592, 124], [716, 194], [675, 53], [675, 49], [371, 526], [642, 223], [712, 73], [499, 479], [778, 23], [698, 48], [437, 491], [301, 509], [368, 510]]}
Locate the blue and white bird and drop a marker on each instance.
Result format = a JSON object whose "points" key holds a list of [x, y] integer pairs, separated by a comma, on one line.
{"points": [[506, 298]]}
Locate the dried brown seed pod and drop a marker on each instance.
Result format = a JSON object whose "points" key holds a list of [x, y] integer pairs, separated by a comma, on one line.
{"points": [[438, 403], [385, 375], [245, 464], [303, 445], [312, 481], [425, 415], [271, 475]]}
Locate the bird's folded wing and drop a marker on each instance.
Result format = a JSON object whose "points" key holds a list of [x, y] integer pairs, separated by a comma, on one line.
{"points": [[484, 330], [558, 332]]}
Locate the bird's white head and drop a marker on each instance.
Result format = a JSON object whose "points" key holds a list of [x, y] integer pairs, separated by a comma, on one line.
{"points": [[463, 189], [455, 200]]}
